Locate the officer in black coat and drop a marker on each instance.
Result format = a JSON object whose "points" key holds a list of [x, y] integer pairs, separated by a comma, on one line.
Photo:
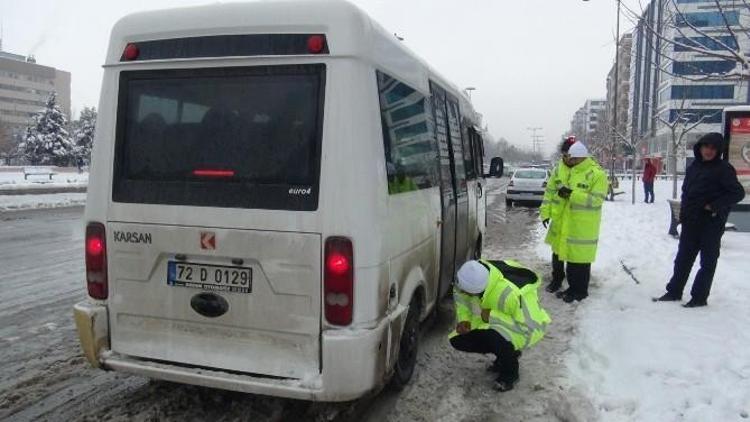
{"points": [[709, 191]]}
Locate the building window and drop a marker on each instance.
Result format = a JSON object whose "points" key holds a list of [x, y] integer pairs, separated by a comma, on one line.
{"points": [[707, 92], [695, 115], [708, 67], [710, 43], [411, 156], [707, 19]]}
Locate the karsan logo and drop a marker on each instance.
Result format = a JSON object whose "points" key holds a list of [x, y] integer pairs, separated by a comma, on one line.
{"points": [[300, 191], [132, 237]]}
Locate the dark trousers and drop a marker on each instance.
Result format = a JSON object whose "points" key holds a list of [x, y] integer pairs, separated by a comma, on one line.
{"points": [[704, 237], [578, 275], [648, 188], [491, 342]]}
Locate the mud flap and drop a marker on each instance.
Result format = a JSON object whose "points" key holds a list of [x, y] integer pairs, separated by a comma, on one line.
{"points": [[93, 330]]}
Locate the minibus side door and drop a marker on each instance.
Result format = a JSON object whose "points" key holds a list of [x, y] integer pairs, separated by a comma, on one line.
{"points": [[462, 194], [447, 190]]}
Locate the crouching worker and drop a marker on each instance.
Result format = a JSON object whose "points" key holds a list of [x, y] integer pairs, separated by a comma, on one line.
{"points": [[498, 312]]}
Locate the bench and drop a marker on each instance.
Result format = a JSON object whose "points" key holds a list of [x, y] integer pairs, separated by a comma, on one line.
{"points": [[37, 171]]}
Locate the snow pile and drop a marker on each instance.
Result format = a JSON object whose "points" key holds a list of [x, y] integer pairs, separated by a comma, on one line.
{"points": [[52, 200], [639, 360]]}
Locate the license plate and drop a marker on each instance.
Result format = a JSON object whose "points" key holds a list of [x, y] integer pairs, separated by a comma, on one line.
{"points": [[210, 277]]}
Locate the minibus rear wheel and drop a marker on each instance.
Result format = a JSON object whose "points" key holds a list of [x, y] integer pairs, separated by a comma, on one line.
{"points": [[409, 347]]}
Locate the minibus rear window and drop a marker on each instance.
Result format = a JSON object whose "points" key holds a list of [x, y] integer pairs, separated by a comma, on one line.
{"points": [[221, 137]]}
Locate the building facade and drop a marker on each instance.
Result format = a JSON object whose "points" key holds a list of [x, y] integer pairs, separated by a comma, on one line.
{"points": [[25, 87], [673, 85], [587, 120], [620, 72]]}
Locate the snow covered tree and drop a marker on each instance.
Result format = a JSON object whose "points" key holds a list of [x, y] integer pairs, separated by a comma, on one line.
{"points": [[47, 141], [83, 133]]}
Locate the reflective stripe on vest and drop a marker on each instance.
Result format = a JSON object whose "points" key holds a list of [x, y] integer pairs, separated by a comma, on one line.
{"points": [[474, 307], [582, 241]]}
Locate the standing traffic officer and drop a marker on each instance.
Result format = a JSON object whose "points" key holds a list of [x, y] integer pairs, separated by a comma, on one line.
{"points": [[573, 226]]}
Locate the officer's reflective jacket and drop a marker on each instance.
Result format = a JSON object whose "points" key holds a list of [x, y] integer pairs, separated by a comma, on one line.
{"points": [[573, 233], [552, 204], [512, 299]]}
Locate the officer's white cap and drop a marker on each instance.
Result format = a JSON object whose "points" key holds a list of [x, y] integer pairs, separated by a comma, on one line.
{"points": [[578, 150], [472, 277]]}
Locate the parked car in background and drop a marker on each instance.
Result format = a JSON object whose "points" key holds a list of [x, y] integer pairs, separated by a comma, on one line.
{"points": [[527, 184]]}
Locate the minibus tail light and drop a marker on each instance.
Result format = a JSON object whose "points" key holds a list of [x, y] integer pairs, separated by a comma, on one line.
{"points": [[338, 282], [131, 52], [96, 261], [316, 44]]}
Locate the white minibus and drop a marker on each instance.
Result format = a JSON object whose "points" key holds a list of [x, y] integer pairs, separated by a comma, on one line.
{"points": [[280, 192]]}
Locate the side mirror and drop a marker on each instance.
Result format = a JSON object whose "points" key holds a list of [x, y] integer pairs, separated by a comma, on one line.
{"points": [[497, 166]]}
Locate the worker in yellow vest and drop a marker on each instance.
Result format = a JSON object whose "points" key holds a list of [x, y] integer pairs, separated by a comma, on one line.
{"points": [[498, 312], [574, 220]]}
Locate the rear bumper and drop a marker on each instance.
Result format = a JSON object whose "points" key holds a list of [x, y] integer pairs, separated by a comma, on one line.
{"points": [[523, 195], [353, 363]]}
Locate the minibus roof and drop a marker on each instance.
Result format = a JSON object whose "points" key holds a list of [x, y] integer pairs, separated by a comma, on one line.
{"points": [[350, 32]]}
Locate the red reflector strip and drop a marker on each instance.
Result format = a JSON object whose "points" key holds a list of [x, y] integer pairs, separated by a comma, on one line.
{"points": [[213, 173]]}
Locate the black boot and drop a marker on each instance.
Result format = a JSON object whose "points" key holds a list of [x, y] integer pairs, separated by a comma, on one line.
{"points": [[563, 293], [503, 384], [667, 297], [554, 286], [693, 303], [570, 297]]}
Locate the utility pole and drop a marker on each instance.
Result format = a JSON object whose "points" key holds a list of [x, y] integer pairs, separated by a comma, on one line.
{"points": [[536, 140]]}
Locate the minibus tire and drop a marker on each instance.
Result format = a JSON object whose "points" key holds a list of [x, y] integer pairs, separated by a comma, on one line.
{"points": [[508, 203], [408, 347]]}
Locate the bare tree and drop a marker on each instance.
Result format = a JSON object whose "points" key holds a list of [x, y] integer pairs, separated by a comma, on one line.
{"points": [[680, 123]]}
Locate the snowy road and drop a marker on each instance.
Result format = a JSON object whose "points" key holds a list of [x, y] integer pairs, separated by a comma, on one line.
{"points": [[44, 377]]}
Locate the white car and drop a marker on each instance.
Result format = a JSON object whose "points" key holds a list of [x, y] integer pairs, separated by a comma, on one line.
{"points": [[527, 185], [280, 193]]}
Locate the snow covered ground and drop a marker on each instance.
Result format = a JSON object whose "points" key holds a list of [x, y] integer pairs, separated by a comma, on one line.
{"points": [[49, 200], [12, 178], [12, 182], [645, 361]]}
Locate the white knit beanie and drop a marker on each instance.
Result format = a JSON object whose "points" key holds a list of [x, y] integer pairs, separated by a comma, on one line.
{"points": [[578, 150], [472, 277]]}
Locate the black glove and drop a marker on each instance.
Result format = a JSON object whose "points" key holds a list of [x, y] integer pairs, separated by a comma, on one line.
{"points": [[545, 223], [564, 192]]}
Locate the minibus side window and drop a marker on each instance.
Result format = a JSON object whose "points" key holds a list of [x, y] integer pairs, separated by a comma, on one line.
{"points": [[410, 151], [466, 135]]}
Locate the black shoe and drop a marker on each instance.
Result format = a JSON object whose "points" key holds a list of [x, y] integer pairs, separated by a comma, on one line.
{"points": [[563, 293], [570, 297], [667, 297], [554, 286], [504, 385], [695, 304]]}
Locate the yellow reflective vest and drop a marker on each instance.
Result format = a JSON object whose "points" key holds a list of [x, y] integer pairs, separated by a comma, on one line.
{"points": [[551, 203], [573, 232], [513, 301]]}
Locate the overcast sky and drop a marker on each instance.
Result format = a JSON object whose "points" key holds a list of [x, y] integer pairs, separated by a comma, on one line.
{"points": [[533, 62]]}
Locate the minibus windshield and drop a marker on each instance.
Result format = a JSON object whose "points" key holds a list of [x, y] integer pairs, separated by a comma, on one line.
{"points": [[224, 137]]}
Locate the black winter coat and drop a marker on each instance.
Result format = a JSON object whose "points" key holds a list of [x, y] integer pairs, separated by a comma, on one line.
{"points": [[711, 183]]}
